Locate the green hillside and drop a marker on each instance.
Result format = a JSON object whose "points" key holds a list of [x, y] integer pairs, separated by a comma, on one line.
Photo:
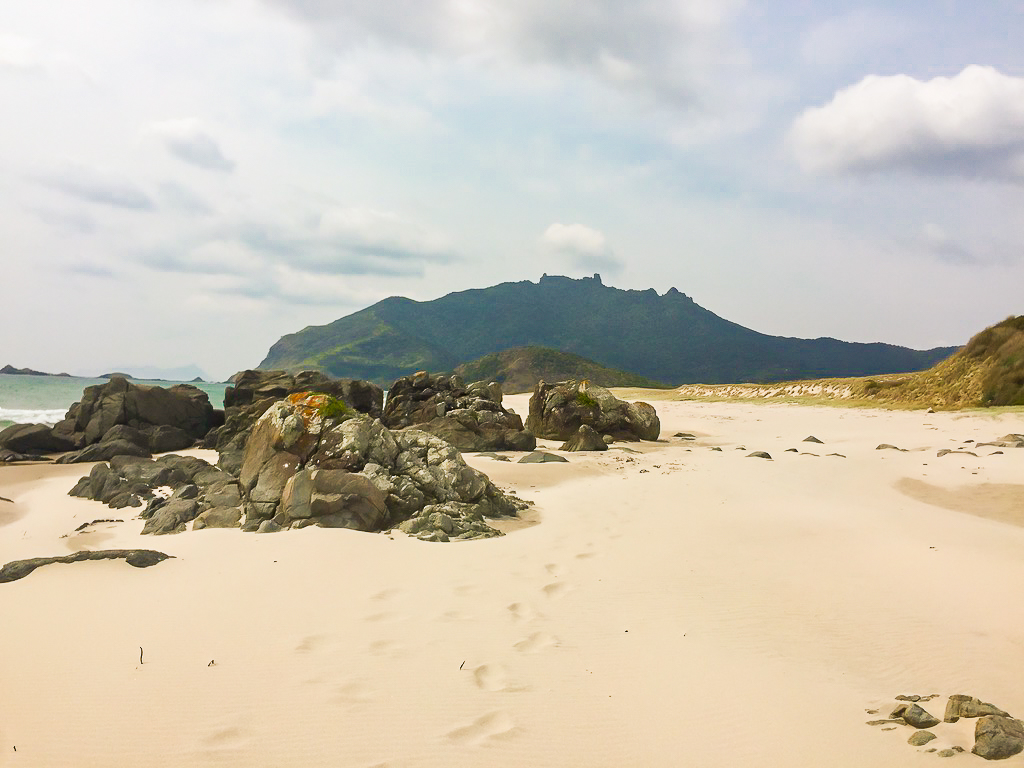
{"points": [[520, 368], [667, 338]]}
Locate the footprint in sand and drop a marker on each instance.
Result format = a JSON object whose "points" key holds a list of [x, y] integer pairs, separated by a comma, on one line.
{"points": [[490, 677], [467, 590], [555, 589], [555, 569], [522, 611], [536, 643], [492, 726], [353, 692], [386, 648], [386, 594], [312, 643]]}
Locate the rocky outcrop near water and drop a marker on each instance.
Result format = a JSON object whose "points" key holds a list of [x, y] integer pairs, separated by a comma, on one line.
{"points": [[119, 417], [310, 460], [253, 392], [557, 411], [472, 418]]}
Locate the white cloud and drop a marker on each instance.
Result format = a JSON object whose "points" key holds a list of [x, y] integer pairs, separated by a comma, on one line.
{"points": [[187, 140], [583, 247], [970, 125]]}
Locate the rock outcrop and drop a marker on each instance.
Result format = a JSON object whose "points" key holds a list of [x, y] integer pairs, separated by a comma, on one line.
{"points": [[304, 468], [139, 558], [34, 440], [960, 705], [309, 463], [471, 417], [558, 410], [253, 392]]}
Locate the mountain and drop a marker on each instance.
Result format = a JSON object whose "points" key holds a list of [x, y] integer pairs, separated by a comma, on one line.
{"points": [[666, 338], [520, 368], [10, 370]]}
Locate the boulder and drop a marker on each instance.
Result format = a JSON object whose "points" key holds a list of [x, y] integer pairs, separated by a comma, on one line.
{"points": [[920, 738], [218, 517], [812, 439], [35, 439], [914, 715], [253, 392], [585, 439], [997, 737], [960, 705], [541, 457], [333, 498], [166, 438], [120, 401], [558, 410], [759, 455], [172, 516], [471, 417]]}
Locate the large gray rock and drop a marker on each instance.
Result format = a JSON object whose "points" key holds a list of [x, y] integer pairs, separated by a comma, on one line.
{"points": [[472, 418], [334, 498], [120, 401], [253, 392], [960, 705], [172, 516], [915, 715], [558, 410], [35, 439], [997, 737], [586, 438]]}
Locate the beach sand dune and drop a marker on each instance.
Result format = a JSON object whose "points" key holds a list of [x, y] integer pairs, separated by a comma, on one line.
{"points": [[676, 605]]}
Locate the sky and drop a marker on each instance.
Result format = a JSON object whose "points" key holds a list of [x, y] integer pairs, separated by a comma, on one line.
{"points": [[185, 182]]}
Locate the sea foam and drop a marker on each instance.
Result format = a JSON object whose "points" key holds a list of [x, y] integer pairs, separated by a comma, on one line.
{"points": [[32, 415]]}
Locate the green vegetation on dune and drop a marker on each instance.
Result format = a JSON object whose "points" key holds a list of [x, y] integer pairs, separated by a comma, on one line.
{"points": [[989, 371], [666, 338]]}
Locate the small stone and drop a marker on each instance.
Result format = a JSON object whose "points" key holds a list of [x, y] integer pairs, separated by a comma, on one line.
{"points": [[540, 457], [915, 716], [913, 697], [920, 738], [759, 455], [812, 439]]}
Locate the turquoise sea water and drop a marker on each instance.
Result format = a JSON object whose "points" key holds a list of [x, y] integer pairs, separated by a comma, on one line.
{"points": [[46, 399]]}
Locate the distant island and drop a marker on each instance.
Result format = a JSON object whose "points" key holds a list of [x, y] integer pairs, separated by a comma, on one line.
{"points": [[10, 370], [666, 338], [112, 375]]}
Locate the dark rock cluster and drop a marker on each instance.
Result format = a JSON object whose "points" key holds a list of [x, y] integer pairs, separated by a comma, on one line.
{"points": [[115, 419], [253, 392], [997, 735], [557, 411], [471, 417]]}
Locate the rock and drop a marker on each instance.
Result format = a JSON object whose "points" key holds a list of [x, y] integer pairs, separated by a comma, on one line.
{"points": [[269, 526], [759, 455], [558, 410], [218, 517], [914, 715], [541, 457], [334, 498], [451, 520], [960, 705], [930, 410], [471, 417], [944, 451], [585, 439], [166, 438], [104, 451], [920, 738], [913, 697], [135, 405], [887, 447], [34, 439], [492, 455], [253, 392], [139, 558], [997, 737], [171, 517], [685, 435], [950, 752], [812, 439]]}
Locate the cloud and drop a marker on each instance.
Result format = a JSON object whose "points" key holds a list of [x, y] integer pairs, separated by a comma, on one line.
{"points": [[186, 140], [970, 125], [19, 53], [97, 187], [585, 248], [180, 198], [682, 52]]}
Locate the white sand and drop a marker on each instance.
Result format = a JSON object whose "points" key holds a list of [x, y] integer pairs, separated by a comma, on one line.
{"points": [[680, 606]]}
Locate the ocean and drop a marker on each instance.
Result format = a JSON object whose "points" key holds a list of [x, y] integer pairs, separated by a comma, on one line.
{"points": [[46, 399]]}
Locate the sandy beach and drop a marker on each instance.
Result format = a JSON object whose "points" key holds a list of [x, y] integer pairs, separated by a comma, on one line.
{"points": [[662, 604]]}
